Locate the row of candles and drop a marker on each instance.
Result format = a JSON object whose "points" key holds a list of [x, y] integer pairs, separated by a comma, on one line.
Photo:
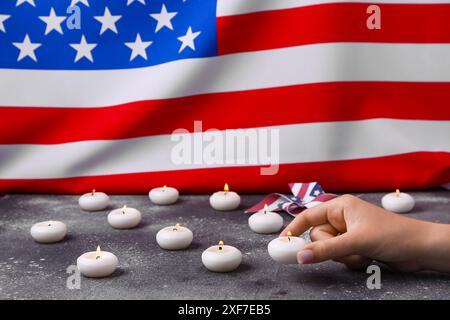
{"points": [[218, 258]]}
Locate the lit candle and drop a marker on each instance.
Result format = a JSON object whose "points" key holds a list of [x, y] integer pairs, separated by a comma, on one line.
{"points": [[397, 201], [94, 201], [221, 258], [124, 218], [265, 222], [284, 249], [225, 200], [48, 231], [174, 237], [163, 196], [97, 264]]}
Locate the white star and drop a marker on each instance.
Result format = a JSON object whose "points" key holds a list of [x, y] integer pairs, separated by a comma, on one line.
{"points": [[26, 48], [3, 18], [138, 47], [163, 18], [188, 39], [74, 2], [19, 2], [84, 49], [316, 193], [108, 21], [53, 22], [131, 1]]}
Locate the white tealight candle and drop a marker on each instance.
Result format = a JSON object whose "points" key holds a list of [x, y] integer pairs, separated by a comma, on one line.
{"points": [[94, 201], [225, 200], [284, 249], [163, 196], [124, 218], [48, 231], [221, 258], [399, 202], [265, 222], [97, 264], [174, 238]]}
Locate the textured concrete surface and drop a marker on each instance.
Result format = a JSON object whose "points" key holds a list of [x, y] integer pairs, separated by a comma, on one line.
{"points": [[29, 270]]}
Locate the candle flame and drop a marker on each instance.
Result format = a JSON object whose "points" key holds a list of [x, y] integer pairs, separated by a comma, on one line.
{"points": [[164, 188], [226, 188], [265, 207], [93, 191], [397, 192], [97, 252], [221, 243], [289, 234], [177, 226]]}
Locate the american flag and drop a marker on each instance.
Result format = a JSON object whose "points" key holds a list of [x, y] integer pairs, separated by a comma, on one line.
{"points": [[304, 195], [357, 109]]}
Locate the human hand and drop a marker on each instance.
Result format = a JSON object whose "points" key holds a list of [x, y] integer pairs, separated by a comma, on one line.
{"points": [[355, 232]]}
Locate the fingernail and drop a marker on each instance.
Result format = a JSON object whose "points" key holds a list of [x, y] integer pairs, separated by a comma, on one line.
{"points": [[305, 256]]}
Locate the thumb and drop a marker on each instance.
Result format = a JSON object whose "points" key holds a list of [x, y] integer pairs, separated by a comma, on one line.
{"points": [[328, 249]]}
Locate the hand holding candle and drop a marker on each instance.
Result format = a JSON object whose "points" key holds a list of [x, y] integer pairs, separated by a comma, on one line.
{"points": [[48, 231], [94, 201], [265, 222], [124, 218], [397, 201], [225, 200], [97, 264], [163, 196], [284, 249], [174, 238], [221, 258]]}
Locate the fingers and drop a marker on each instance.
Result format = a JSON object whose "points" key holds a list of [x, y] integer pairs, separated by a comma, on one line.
{"points": [[328, 249], [331, 212], [322, 232], [355, 261], [327, 231], [309, 218]]}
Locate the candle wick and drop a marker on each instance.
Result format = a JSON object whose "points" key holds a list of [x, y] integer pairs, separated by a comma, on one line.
{"points": [[220, 248], [97, 257], [49, 224]]}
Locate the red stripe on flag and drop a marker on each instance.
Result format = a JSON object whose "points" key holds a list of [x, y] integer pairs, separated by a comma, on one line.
{"points": [[301, 104], [303, 190], [375, 174], [342, 22]]}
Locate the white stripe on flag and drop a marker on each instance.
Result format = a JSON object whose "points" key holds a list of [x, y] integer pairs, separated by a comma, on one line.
{"points": [[234, 7], [296, 188], [319, 63], [308, 195], [319, 142]]}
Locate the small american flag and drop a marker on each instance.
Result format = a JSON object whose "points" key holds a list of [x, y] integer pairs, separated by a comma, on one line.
{"points": [[304, 195], [94, 107]]}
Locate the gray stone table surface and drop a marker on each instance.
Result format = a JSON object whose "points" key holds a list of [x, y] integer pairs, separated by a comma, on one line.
{"points": [[29, 270]]}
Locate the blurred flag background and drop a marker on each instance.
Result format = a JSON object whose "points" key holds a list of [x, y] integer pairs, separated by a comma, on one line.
{"points": [[356, 109]]}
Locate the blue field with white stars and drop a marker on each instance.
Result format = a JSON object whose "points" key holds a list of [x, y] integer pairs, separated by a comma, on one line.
{"points": [[113, 34]]}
